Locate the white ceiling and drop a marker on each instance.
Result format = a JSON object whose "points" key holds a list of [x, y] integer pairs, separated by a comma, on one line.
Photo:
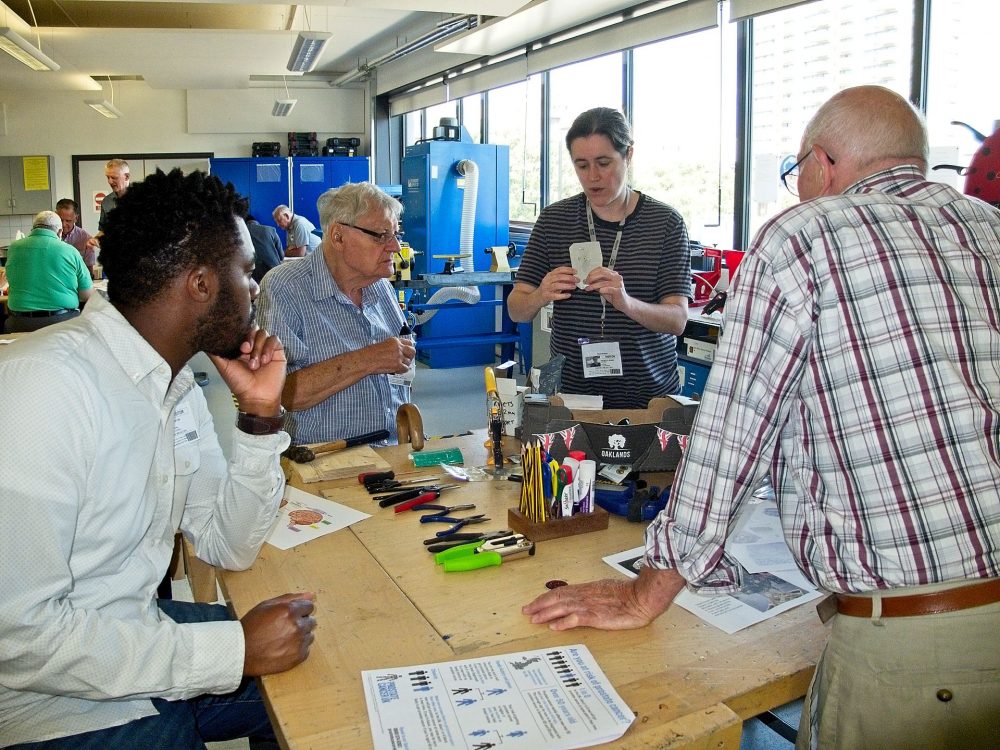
{"points": [[203, 44]]}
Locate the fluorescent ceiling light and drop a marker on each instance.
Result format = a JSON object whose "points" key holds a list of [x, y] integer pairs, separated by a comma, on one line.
{"points": [[104, 107], [308, 47], [282, 107], [21, 49]]}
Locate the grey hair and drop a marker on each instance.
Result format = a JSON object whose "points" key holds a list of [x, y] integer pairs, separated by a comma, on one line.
{"points": [[280, 209], [868, 125], [118, 164], [47, 220], [346, 204]]}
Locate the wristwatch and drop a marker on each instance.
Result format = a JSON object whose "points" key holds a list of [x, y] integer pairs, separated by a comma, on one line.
{"points": [[253, 424]]}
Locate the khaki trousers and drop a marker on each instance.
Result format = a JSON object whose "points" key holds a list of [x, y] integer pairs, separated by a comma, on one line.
{"points": [[930, 681]]}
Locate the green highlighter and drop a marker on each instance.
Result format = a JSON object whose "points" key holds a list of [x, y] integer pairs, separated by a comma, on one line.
{"points": [[488, 554]]}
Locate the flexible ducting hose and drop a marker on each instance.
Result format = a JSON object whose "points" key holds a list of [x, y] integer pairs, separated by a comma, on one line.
{"points": [[468, 294]]}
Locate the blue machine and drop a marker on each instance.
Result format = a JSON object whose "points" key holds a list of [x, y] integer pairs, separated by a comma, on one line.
{"points": [[434, 191]]}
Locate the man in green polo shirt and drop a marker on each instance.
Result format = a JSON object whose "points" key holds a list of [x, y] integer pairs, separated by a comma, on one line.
{"points": [[48, 279]]}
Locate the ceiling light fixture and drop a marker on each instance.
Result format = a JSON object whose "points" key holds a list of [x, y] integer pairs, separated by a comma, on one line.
{"points": [[21, 49], [282, 107], [308, 47], [104, 107]]}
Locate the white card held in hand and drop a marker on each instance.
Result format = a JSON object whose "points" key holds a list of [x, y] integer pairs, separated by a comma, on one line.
{"points": [[585, 257]]}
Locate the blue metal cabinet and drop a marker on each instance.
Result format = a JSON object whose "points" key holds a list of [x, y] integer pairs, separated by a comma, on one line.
{"points": [[264, 181], [297, 181], [311, 176]]}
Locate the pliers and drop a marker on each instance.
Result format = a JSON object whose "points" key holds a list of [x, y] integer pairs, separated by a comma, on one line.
{"points": [[436, 544], [459, 523], [484, 554]]}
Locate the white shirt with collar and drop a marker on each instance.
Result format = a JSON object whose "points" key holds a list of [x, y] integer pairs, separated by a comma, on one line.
{"points": [[104, 458]]}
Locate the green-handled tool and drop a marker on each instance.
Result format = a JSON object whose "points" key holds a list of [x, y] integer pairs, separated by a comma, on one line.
{"points": [[484, 554]]}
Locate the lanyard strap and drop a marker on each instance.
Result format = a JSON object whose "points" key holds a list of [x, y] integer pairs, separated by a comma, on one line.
{"points": [[614, 247]]}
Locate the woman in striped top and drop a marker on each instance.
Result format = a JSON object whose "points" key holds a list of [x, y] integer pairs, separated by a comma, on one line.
{"points": [[615, 322]]}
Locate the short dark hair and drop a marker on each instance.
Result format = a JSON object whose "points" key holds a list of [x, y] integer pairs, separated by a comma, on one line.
{"points": [[68, 203], [164, 225], [602, 121]]}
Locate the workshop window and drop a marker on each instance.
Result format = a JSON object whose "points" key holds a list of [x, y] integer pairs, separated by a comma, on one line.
{"points": [[685, 130], [515, 118], [575, 89], [961, 82], [796, 69]]}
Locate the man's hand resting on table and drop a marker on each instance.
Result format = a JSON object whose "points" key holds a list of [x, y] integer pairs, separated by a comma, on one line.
{"points": [[608, 604], [278, 633]]}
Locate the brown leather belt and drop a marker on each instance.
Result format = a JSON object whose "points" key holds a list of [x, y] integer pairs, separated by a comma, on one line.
{"points": [[949, 600]]}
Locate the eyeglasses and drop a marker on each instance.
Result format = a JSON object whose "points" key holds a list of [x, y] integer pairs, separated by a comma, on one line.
{"points": [[381, 238], [790, 177]]}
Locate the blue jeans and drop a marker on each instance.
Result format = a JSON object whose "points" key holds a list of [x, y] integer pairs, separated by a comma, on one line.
{"points": [[183, 724]]}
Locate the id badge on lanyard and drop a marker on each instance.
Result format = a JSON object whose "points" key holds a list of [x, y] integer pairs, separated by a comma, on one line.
{"points": [[602, 359]]}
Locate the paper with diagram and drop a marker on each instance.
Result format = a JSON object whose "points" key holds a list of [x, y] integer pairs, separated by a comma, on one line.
{"points": [[532, 700]]}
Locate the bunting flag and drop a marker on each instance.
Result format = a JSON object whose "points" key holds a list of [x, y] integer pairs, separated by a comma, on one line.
{"points": [[663, 436], [567, 436], [546, 438]]}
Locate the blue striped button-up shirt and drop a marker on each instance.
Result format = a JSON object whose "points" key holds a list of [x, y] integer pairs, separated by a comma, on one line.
{"points": [[859, 366], [315, 320]]}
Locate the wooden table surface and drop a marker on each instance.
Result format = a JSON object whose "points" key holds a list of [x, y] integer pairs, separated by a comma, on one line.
{"points": [[381, 602]]}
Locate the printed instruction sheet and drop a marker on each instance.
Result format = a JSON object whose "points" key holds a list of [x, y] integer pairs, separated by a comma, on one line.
{"points": [[532, 700], [303, 517], [762, 596]]}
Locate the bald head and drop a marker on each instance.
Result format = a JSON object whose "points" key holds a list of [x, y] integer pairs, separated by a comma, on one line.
{"points": [[865, 129]]}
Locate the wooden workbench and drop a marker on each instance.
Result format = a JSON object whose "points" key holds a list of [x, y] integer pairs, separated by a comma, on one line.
{"points": [[381, 602]]}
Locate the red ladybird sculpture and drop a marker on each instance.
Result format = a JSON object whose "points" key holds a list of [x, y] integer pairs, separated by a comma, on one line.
{"points": [[982, 176]]}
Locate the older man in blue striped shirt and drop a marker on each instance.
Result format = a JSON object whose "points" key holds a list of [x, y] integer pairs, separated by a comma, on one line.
{"points": [[337, 316]]}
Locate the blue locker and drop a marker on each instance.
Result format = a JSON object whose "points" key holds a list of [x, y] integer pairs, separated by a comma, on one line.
{"points": [[433, 193], [311, 176], [263, 180]]}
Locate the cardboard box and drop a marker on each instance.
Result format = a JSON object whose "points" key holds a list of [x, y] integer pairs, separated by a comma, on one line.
{"points": [[650, 441]]}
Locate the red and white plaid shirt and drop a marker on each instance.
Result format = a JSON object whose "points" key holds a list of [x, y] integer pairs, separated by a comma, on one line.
{"points": [[860, 366]]}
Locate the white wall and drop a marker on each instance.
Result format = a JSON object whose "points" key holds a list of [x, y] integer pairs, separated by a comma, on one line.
{"points": [[156, 121]]}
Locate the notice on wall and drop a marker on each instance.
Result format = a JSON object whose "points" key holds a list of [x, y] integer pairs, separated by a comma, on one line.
{"points": [[533, 700], [36, 172]]}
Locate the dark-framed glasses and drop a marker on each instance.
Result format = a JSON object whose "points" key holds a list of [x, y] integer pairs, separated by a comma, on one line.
{"points": [[790, 177], [382, 238]]}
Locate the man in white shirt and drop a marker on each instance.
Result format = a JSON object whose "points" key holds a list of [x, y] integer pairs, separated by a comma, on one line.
{"points": [[110, 450]]}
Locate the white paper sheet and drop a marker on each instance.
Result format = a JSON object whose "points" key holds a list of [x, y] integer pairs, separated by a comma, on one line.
{"points": [[532, 700], [757, 540], [585, 257], [762, 596], [289, 530]]}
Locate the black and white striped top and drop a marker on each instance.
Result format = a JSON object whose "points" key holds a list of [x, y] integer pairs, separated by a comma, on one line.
{"points": [[654, 261]]}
